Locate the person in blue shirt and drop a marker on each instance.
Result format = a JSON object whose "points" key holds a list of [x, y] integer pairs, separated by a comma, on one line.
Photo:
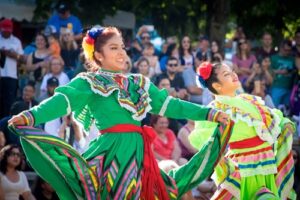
{"points": [[64, 19]]}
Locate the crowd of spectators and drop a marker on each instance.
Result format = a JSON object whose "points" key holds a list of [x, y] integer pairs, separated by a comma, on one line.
{"points": [[30, 75]]}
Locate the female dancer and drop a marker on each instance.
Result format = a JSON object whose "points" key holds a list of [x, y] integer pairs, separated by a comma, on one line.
{"points": [[259, 160], [119, 164]]}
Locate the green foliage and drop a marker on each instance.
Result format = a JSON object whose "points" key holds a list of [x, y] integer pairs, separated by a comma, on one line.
{"points": [[192, 17]]}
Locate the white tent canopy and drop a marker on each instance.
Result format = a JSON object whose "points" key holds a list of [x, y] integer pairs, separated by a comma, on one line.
{"points": [[16, 10]]}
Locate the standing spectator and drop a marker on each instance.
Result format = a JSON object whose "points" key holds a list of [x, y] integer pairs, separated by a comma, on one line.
{"points": [[185, 53], [10, 52], [56, 70], [296, 47], [283, 68], [69, 51], [243, 60], [64, 19], [187, 150], [13, 181], [266, 49]]}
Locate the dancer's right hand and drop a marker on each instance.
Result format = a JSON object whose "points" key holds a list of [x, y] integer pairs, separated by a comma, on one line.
{"points": [[16, 120]]}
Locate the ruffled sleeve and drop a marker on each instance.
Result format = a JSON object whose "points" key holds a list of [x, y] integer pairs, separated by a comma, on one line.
{"points": [[71, 97]]}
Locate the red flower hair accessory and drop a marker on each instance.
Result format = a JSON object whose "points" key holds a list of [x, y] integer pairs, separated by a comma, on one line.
{"points": [[205, 70]]}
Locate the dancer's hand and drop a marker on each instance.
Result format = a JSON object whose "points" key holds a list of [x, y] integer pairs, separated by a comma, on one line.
{"points": [[223, 118], [16, 120]]}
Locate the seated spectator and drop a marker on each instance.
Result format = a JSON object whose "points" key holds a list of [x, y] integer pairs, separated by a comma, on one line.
{"points": [[38, 61], [148, 52], [13, 181], [172, 51], [56, 70], [165, 145], [175, 77], [44, 191], [143, 67], [187, 150], [28, 95], [69, 51], [15, 109], [52, 83], [216, 55], [185, 53]]}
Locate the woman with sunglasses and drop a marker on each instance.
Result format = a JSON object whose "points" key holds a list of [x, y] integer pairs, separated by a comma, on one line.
{"points": [[13, 182], [119, 163]]}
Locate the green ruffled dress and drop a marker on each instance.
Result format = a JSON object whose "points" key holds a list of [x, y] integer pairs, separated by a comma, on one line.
{"points": [[111, 167]]}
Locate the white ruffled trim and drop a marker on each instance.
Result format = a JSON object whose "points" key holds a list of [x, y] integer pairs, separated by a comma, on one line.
{"points": [[135, 116], [165, 106], [68, 102], [263, 134]]}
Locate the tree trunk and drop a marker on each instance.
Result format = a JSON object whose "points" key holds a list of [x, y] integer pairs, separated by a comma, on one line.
{"points": [[218, 11]]}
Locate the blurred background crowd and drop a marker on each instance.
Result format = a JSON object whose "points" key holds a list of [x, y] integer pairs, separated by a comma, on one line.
{"points": [[30, 72]]}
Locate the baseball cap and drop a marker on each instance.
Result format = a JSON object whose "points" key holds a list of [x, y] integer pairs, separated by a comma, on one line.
{"points": [[6, 25], [53, 81], [62, 8]]}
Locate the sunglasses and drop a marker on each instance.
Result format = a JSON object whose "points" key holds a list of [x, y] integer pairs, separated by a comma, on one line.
{"points": [[15, 154], [173, 65], [145, 37]]}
